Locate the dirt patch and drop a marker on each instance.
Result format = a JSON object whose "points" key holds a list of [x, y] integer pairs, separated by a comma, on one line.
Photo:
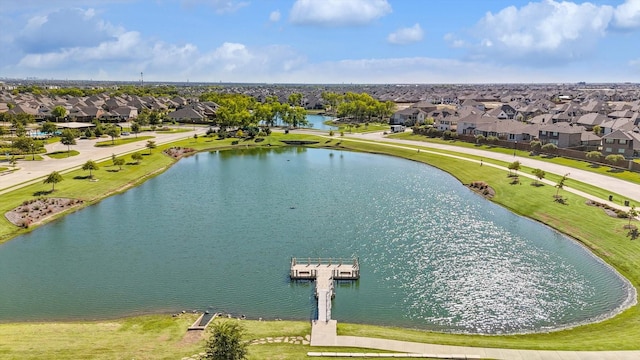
{"points": [[192, 337], [483, 189], [37, 210], [178, 152]]}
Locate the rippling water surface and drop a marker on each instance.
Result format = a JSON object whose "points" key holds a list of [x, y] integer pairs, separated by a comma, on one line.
{"points": [[217, 230]]}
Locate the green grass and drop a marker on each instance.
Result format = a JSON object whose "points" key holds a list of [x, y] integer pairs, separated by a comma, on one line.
{"points": [[122, 141], [173, 130], [143, 337], [578, 164], [63, 154], [361, 128], [2, 168], [602, 234]]}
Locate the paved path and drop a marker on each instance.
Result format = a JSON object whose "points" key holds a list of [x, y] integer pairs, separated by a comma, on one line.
{"points": [[34, 171], [326, 336], [625, 188]]}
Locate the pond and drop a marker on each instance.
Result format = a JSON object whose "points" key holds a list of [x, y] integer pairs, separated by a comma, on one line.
{"points": [[217, 230]]}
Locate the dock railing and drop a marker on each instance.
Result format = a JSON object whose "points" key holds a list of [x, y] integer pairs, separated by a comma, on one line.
{"points": [[342, 268]]}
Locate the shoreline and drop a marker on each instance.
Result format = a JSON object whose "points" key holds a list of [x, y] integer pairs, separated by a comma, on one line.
{"points": [[158, 171]]}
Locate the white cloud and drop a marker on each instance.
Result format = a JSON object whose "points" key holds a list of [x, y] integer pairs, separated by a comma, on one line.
{"points": [[627, 15], [548, 29], [406, 35], [338, 12], [65, 28], [274, 16]]}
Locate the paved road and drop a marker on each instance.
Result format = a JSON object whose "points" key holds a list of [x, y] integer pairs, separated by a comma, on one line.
{"points": [[34, 171], [625, 188]]}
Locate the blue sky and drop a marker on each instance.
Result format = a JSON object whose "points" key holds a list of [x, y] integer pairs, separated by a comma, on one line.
{"points": [[322, 41]]}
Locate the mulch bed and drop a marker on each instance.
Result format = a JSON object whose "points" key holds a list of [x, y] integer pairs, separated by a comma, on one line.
{"points": [[613, 212], [482, 188], [178, 152], [36, 210]]}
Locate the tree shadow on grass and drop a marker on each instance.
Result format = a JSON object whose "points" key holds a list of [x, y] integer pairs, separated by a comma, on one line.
{"points": [[113, 170], [42, 192], [594, 166], [615, 171], [132, 163], [79, 177]]}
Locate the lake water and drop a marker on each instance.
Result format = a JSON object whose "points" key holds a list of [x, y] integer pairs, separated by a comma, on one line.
{"points": [[217, 230], [317, 122]]}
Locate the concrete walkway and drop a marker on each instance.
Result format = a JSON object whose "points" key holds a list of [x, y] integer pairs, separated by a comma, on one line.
{"points": [[327, 336], [627, 189], [34, 171]]}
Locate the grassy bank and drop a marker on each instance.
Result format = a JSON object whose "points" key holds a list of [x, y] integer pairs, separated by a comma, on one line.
{"points": [[143, 337], [578, 164], [604, 235]]}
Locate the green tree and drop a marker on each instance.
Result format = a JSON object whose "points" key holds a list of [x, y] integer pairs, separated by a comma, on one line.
{"points": [[150, 145], [53, 179], [614, 159], [24, 143], [135, 128], [48, 128], [295, 99], [59, 112], [225, 341], [90, 165], [597, 129], [68, 137], [136, 157], [19, 129], [118, 162], [631, 214], [549, 148], [535, 145], [594, 156], [560, 184], [114, 132], [539, 173], [515, 166]]}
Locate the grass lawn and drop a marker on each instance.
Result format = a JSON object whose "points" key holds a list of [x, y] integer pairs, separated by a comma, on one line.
{"points": [[124, 338], [143, 337], [122, 141], [2, 168], [359, 128], [578, 164], [63, 154], [173, 130]]}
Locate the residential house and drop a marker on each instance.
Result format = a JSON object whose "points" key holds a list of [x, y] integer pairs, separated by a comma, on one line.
{"points": [[617, 142], [563, 135], [187, 114], [590, 120], [408, 117]]}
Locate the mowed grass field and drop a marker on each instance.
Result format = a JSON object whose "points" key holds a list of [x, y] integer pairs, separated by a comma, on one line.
{"points": [[140, 337]]}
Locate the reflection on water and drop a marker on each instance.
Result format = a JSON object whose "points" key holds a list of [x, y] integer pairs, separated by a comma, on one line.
{"points": [[218, 229]]}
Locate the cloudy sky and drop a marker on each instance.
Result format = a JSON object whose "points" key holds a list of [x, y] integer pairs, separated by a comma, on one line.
{"points": [[322, 41]]}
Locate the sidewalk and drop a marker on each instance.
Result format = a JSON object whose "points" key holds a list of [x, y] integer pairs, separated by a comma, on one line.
{"points": [[34, 171], [327, 336]]}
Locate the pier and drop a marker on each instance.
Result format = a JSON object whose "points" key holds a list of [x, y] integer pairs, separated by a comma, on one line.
{"points": [[324, 271]]}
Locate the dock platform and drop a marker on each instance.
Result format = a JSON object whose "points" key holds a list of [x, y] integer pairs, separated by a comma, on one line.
{"points": [[338, 268], [324, 272]]}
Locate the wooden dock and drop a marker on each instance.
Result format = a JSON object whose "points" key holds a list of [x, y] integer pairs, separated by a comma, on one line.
{"points": [[339, 268], [324, 272]]}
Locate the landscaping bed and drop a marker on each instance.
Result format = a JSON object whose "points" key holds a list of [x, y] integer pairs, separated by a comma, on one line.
{"points": [[36, 210]]}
